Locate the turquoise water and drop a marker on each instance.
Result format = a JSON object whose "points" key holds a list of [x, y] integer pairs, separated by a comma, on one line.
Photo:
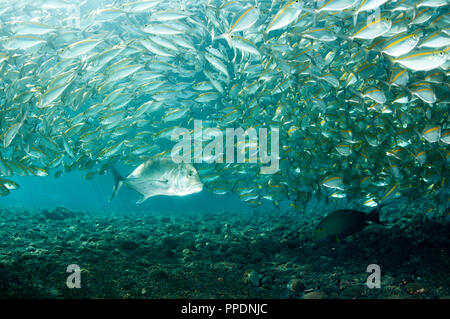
{"points": [[74, 192]]}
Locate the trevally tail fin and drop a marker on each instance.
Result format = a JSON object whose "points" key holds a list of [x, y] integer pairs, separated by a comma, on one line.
{"points": [[118, 182]]}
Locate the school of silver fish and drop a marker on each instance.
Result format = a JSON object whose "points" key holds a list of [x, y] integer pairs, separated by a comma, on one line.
{"points": [[358, 88]]}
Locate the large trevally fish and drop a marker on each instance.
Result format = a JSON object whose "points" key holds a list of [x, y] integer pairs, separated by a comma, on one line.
{"points": [[159, 177]]}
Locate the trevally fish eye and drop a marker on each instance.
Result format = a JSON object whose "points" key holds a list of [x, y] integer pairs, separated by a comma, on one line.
{"points": [[352, 94]]}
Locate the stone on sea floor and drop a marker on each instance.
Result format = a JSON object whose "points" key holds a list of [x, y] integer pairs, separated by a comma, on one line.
{"points": [[158, 275], [129, 245], [295, 285], [252, 278], [416, 288], [169, 243], [314, 295], [59, 213], [267, 282]]}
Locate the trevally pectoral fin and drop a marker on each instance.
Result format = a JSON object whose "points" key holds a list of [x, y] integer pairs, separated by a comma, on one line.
{"points": [[141, 200], [153, 188]]}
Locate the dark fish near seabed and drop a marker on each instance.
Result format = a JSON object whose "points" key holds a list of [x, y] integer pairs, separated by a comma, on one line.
{"points": [[345, 222]]}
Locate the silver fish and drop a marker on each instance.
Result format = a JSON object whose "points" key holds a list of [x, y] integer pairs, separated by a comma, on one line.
{"points": [[159, 177]]}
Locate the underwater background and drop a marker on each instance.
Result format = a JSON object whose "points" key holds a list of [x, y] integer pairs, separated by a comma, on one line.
{"points": [[354, 95], [203, 246]]}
